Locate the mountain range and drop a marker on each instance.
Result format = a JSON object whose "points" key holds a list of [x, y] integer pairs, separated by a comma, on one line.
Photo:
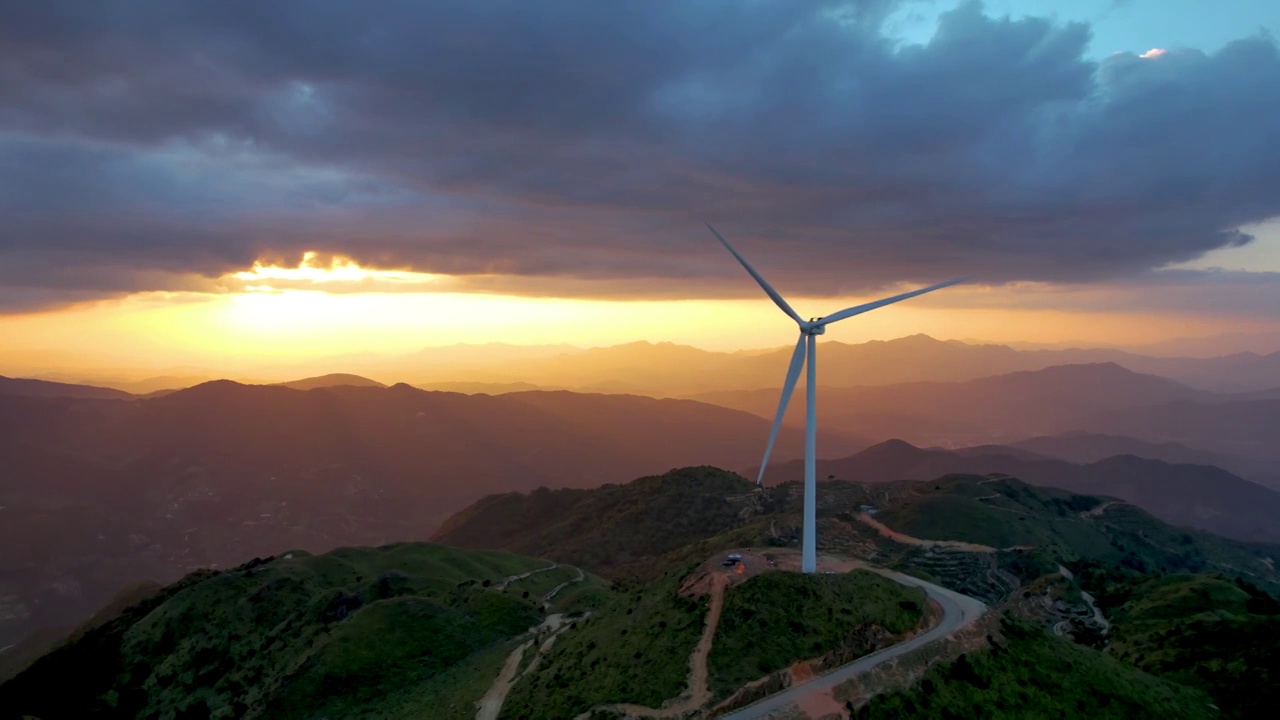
{"points": [[667, 369], [104, 489], [26, 387], [1100, 398], [1198, 496], [103, 493], [672, 370]]}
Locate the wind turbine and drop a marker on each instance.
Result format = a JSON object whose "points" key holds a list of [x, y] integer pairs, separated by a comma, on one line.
{"points": [[806, 349]]}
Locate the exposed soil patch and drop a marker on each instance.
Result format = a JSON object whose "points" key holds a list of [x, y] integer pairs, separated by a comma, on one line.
{"points": [[898, 537]]}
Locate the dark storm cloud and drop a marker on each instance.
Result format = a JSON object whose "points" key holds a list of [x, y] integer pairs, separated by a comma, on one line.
{"points": [[581, 143]]}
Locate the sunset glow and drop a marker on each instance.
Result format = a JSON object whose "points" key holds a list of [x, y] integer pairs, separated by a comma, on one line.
{"points": [[314, 213], [240, 330], [339, 270]]}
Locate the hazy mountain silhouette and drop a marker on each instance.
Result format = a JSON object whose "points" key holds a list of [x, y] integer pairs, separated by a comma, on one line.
{"points": [[44, 388], [667, 369], [671, 370], [1241, 427], [1083, 447], [1264, 343], [477, 388], [1016, 405], [102, 493], [331, 380], [1199, 496]]}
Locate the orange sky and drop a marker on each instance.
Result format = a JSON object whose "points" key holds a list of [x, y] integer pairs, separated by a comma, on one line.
{"points": [[272, 315], [234, 329]]}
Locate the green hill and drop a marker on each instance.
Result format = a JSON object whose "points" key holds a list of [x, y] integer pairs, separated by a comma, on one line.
{"points": [[1202, 631], [1039, 528], [636, 648], [1033, 675], [773, 620], [613, 528], [422, 630], [357, 632], [633, 649], [620, 530]]}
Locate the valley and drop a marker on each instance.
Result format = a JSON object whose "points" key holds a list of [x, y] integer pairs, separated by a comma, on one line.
{"points": [[119, 495], [672, 629]]}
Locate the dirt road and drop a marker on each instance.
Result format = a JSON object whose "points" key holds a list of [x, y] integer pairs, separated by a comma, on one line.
{"points": [[696, 693], [898, 537], [502, 585], [958, 611], [490, 705]]}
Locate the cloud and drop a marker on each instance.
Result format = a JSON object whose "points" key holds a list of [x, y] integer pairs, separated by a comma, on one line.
{"points": [[564, 147], [1215, 292]]}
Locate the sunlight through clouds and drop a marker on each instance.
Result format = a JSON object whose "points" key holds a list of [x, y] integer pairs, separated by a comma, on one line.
{"points": [[340, 271]]}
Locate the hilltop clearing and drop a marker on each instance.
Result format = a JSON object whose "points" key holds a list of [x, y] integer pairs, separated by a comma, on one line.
{"points": [[621, 530]]}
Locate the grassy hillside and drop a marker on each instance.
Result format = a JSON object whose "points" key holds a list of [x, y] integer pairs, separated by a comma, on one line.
{"points": [[1056, 526], [773, 620], [633, 649], [1203, 631], [613, 527], [346, 634], [419, 630], [1033, 675]]}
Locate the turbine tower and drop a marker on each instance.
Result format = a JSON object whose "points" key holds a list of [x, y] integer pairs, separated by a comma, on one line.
{"points": [[806, 349]]}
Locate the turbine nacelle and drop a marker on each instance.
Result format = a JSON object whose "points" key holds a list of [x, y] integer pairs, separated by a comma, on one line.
{"points": [[814, 326]]}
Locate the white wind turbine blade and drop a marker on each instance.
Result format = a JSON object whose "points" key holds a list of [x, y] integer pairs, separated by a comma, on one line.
{"points": [[777, 299], [788, 387], [859, 309]]}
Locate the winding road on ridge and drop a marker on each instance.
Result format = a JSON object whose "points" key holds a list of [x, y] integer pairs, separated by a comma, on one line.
{"points": [[957, 611], [490, 705]]}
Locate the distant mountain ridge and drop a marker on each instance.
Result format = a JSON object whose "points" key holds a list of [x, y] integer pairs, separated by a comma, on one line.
{"points": [[667, 369], [1082, 447], [108, 492], [1047, 401], [44, 388], [332, 380], [1198, 496], [1237, 427]]}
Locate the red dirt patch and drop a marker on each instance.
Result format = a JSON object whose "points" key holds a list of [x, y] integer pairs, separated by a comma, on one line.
{"points": [[800, 672]]}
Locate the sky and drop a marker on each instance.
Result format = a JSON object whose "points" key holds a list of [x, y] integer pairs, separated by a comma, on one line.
{"points": [[219, 181]]}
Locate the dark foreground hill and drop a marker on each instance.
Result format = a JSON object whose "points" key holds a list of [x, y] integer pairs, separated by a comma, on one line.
{"points": [[623, 529], [614, 528], [100, 494], [1029, 533], [413, 631], [1183, 627], [393, 631], [1197, 496]]}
